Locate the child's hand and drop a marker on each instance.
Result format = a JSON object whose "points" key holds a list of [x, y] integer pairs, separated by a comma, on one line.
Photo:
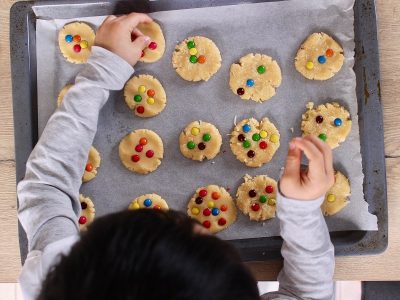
{"points": [[115, 35], [317, 180]]}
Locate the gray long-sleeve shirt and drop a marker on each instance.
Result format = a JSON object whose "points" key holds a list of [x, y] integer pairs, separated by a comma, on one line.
{"points": [[49, 194]]}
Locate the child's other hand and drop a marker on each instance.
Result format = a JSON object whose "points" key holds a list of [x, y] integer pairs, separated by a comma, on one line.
{"points": [[314, 182], [115, 35]]}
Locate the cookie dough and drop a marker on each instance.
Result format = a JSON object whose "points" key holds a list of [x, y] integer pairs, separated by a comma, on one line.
{"points": [[93, 163], [62, 93], [337, 197], [149, 201], [330, 122], [256, 77], [141, 151], [256, 197], [200, 140], [87, 213], [75, 41], [156, 48], [255, 143], [145, 95], [196, 58], [320, 57], [213, 207]]}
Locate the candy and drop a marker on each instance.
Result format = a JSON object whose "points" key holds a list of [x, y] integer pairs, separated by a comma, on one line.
{"points": [[221, 222], [338, 122], [84, 44], [215, 211], [206, 137], [143, 141], [269, 189], [246, 128], [147, 202], [256, 137], [246, 144], [319, 119], [241, 138], [135, 158], [77, 48], [83, 205], [193, 59], [135, 206], [193, 51], [210, 204], [323, 136], [329, 53], [137, 98], [207, 212], [274, 138], [77, 38], [195, 131], [151, 93], [140, 109], [207, 224], [263, 199], [195, 211], [203, 193], [191, 145], [251, 154], [191, 44], [201, 146], [149, 153], [153, 46], [141, 89], [89, 168], [255, 206], [240, 91], [142, 54], [199, 200], [271, 202], [215, 195], [310, 65], [331, 198], [158, 207], [69, 38], [261, 69], [82, 220], [201, 59], [263, 134], [322, 59], [139, 148], [263, 145], [250, 82], [150, 101], [224, 207], [252, 193]]}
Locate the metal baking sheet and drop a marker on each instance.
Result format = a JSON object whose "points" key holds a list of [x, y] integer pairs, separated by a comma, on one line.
{"points": [[251, 249]]}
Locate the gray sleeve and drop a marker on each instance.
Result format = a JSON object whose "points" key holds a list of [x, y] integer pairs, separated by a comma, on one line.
{"points": [[308, 253], [49, 193]]}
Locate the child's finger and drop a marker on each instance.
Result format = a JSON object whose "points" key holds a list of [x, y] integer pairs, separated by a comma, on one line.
{"points": [[109, 19], [141, 42], [133, 19], [292, 166], [316, 166], [326, 151]]}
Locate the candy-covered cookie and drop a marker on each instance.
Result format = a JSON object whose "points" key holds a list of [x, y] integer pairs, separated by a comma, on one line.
{"points": [[87, 213], [155, 50], [256, 197], [213, 207], [320, 57], [75, 41], [337, 197], [330, 122], [153, 201], [200, 140], [196, 58], [62, 93], [254, 143], [256, 77], [92, 164], [141, 151], [145, 95]]}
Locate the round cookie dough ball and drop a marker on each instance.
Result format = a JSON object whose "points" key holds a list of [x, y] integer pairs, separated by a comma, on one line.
{"points": [[93, 163], [213, 207], [145, 95], [156, 48], [200, 140], [62, 93], [255, 143], [256, 197], [337, 197], [320, 57], [148, 201], [87, 213], [330, 122], [256, 77], [75, 41], [196, 58], [141, 151]]}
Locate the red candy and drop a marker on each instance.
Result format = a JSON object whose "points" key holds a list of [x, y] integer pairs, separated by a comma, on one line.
{"points": [[82, 220], [77, 48], [269, 189], [203, 193], [89, 168], [215, 195], [140, 109], [221, 222], [207, 224], [255, 206], [139, 148], [150, 153], [157, 207], [224, 207], [263, 145], [151, 93], [135, 158], [142, 54], [207, 212], [143, 141], [153, 46]]}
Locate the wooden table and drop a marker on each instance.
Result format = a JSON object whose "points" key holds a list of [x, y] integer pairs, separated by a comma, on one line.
{"points": [[382, 267]]}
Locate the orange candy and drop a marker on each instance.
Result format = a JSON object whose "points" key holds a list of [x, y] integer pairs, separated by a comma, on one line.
{"points": [[329, 53], [151, 93], [157, 207], [143, 141], [215, 195], [224, 207], [89, 168], [77, 38], [201, 59]]}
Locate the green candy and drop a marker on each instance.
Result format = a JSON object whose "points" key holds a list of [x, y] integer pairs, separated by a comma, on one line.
{"points": [[137, 98], [256, 137], [193, 59], [263, 199], [191, 44], [206, 137], [323, 137], [191, 145], [261, 69], [246, 144]]}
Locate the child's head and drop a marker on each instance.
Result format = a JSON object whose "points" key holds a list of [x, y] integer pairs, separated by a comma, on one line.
{"points": [[149, 254]]}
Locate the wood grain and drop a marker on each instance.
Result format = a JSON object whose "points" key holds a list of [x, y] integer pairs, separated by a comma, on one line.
{"points": [[381, 267]]}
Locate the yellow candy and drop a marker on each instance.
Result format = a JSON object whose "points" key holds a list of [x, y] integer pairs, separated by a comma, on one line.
{"points": [[135, 206], [193, 51], [195, 211], [271, 202], [141, 89], [274, 138], [195, 131], [210, 204], [263, 134], [331, 198], [310, 65], [150, 100], [84, 44]]}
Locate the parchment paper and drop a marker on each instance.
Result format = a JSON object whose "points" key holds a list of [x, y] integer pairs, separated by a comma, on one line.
{"points": [[274, 28]]}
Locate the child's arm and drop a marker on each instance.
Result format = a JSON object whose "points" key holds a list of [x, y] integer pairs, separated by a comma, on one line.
{"points": [[48, 196], [307, 249]]}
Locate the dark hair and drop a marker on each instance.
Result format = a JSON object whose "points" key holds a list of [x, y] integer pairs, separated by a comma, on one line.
{"points": [[149, 254]]}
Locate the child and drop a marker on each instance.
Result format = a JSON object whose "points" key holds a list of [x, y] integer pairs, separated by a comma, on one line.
{"points": [[149, 254]]}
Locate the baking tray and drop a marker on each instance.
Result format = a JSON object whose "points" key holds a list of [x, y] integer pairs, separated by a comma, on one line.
{"points": [[23, 17]]}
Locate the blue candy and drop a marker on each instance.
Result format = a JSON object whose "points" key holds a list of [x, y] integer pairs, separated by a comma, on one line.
{"points": [[147, 202], [215, 211], [69, 38], [338, 122], [246, 128], [322, 59], [250, 82]]}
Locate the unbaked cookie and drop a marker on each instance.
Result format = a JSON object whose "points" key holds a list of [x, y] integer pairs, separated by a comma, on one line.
{"points": [[200, 140], [256, 77], [156, 48], [87, 213], [92, 164], [256, 197], [196, 58], [62, 93], [337, 197], [320, 57], [141, 151], [145, 95], [149, 201], [255, 143], [330, 122], [213, 207], [75, 41]]}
